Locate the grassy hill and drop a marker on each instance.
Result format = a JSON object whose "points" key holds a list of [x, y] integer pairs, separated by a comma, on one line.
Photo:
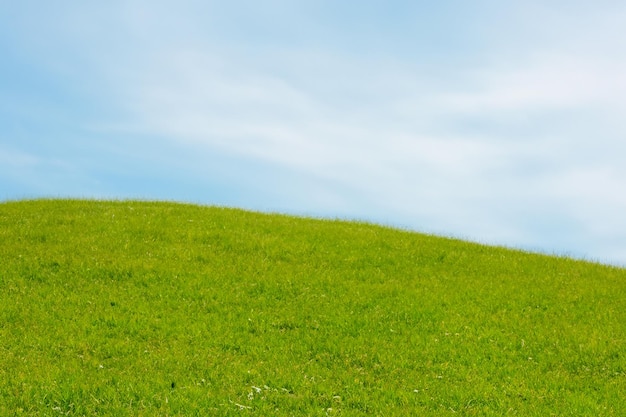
{"points": [[141, 308]]}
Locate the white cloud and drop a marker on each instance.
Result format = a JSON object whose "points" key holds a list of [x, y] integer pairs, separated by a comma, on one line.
{"points": [[526, 130], [449, 180], [548, 86]]}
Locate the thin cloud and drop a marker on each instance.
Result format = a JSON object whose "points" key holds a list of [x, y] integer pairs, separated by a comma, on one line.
{"points": [[427, 170], [506, 130]]}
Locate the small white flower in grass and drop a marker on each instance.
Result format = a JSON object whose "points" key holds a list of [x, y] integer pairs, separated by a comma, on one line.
{"points": [[251, 393]]}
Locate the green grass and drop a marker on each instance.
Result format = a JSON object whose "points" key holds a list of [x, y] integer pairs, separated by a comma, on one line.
{"points": [[162, 309]]}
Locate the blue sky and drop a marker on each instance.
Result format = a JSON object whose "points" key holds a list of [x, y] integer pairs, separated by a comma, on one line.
{"points": [[498, 122]]}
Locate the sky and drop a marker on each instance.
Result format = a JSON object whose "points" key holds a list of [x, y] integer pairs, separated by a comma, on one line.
{"points": [[502, 123]]}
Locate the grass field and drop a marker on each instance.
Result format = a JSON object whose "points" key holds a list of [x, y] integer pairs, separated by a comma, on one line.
{"points": [[160, 309]]}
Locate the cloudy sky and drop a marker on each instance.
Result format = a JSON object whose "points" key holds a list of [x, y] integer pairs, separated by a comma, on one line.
{"points": [[498, 122]]}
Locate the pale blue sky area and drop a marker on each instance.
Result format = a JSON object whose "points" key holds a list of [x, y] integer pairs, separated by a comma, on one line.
{"points": [[498, 122]]}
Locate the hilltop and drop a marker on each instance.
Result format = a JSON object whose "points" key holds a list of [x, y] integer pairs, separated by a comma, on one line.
{"points": [[152, 308]]}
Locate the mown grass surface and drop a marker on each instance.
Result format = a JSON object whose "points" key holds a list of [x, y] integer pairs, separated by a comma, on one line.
{"points": [[139, 308]]}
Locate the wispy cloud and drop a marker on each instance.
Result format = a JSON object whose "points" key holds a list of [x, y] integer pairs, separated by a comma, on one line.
{"points": [[500, 124]]}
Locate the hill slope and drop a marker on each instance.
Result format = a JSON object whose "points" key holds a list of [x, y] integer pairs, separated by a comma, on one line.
{"points": [[139, 308]]}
